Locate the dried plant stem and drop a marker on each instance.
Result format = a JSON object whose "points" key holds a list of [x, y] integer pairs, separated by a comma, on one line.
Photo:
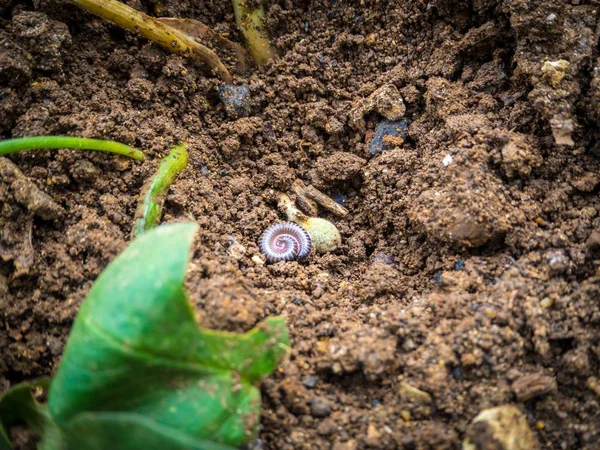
{"points": [[169, 38], [251, 24], [310, 193], [197, 30]]}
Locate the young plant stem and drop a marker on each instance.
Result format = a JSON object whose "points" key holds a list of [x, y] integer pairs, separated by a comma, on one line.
{"points": [[251, 24], [44, 142], [167, 37], [154, 192]]}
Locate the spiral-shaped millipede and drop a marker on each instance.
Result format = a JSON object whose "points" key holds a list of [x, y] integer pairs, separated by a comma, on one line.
{"points": [[285, 242]]}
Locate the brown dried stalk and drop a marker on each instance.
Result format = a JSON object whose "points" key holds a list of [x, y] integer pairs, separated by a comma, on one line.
{"points": [[167, 37]]}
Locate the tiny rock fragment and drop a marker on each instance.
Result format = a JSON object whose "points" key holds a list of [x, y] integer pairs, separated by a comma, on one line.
{"points": [[386, 100], [236, 251], [586, 182], [319, 407], [520, 155], [259, 260], [593, 242], [406, 391], [3, 286], [533, 385], [447, 160], [554, 71], [84, 170], [28, 194], [348, 445], [501, 428], [310, 381], [594, 384], [468, 359], [387, 135], [373, 438], [236, 100], [546, 302], [562, 130]]}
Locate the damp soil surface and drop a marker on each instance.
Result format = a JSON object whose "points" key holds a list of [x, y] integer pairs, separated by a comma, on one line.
{"points": [[468, 276]]}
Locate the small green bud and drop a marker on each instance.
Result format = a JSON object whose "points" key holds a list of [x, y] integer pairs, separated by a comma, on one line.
{"points": [[324, 235]]}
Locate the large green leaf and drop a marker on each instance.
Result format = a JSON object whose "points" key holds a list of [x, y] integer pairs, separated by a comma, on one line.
{"points": [[139, 373], [18, 405]]}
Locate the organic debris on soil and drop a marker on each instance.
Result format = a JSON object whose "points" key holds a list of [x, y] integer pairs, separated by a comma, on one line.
{"points": [[467, 278]]}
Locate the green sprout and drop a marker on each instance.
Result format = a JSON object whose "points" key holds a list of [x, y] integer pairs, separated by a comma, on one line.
{"points": [[9, 146], [164, 35], [153, 193], [251, 24], [138, 372]]}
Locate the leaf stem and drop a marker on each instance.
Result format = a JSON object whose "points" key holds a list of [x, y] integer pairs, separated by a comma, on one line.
{"points": [[167, 37], [251, 24], [44, 142], [152, 197]]}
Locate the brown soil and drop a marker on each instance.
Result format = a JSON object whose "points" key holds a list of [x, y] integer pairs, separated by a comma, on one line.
{"points": [[475, 282]]}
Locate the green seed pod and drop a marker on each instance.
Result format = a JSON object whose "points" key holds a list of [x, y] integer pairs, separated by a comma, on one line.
{"points": [[324, 235]]}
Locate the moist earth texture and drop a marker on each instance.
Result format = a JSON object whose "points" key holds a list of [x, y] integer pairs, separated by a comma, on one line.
{"points": [[462, 137]]}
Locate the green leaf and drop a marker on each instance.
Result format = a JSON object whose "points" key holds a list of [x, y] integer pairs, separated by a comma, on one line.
{"points": [[18, 405], [100, 431], [138, 372]]}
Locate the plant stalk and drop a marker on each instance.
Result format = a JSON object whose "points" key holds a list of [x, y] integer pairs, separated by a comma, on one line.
{"points": [[167, 37], [251, 24], [9, 146], [154, 192]]}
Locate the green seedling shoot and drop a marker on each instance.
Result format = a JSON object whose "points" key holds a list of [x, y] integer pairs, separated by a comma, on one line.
{"points": [[138, 372], [152, 197], [164, 35], [9, 146], [251, 24]]}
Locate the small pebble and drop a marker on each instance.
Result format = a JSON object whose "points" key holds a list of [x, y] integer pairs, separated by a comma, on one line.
{"points": [[460, 264], [385, 129], [55, 345], [555, 71], [505, 426], [258, 260], [385, 259], [408, 392], [310, 381], [457, 373], [339, 198], [236, 100], [319, 407]]}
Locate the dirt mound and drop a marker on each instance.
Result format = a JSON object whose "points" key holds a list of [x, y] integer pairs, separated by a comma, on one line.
{"points": [[468, 274]]}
